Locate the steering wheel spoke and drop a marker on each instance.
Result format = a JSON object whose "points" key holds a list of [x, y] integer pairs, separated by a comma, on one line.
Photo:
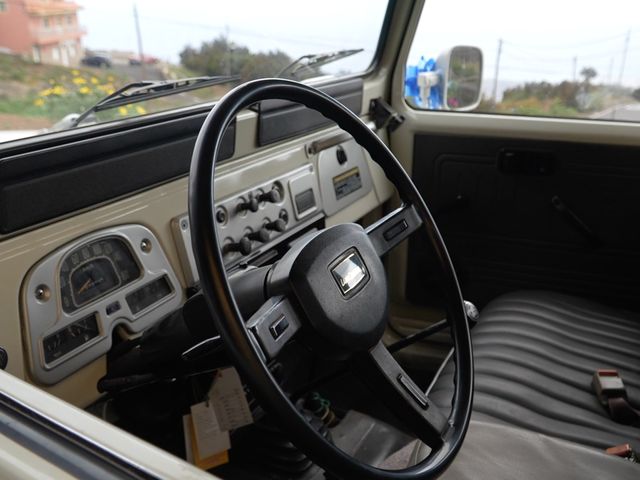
{"points": [[393, 228], [402, 396], [273, 326]]}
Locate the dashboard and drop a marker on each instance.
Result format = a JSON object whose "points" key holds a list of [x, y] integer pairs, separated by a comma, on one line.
{"points": [[120, 280]]}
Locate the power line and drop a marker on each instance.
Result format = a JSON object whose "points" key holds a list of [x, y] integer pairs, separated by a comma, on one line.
{"points": [[593, 41], [559, 58], [252, 33]]}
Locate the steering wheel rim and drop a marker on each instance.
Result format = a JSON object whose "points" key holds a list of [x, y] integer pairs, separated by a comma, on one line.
{"points": [[230, 324]]}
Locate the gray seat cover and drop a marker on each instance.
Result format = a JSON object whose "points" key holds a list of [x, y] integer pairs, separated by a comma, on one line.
{"points": [[535, 354], [500, 452]]}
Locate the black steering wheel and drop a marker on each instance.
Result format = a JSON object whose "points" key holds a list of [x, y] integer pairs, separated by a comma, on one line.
{"points": [[330, 289]]}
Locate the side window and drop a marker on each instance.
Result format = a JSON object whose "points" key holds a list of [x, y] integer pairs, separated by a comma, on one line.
{"points": [[572, 59]]}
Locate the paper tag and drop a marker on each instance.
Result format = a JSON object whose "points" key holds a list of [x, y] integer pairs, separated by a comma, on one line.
{"points": [[229, 401], [191, 448], [210, 438], [188, 438]]}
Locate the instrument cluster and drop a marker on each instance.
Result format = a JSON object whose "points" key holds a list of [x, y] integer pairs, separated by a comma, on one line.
{"points": [[76, 296]]}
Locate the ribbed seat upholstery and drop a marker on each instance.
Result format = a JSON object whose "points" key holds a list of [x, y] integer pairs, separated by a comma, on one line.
{"points": [[535, 355]]}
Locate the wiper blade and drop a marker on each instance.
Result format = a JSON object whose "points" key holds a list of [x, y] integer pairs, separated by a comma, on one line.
{"points": [[315, 60], [147, 89]]}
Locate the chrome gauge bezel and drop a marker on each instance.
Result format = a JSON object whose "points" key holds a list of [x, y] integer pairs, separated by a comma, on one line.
{"points": [[44, 316]]}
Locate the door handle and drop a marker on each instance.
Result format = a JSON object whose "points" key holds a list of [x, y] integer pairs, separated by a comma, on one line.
{"points": [[576, 222], [515, 161]]}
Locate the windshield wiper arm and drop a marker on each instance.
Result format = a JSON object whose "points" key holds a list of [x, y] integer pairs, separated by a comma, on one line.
{"points": [[147, 89], [315, 60]]}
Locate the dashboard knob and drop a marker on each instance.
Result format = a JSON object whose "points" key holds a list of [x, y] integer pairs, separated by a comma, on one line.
{"points": [[4, 358], [272, 196], [243, 246], [261, 235], [278, 225], [252, 204]]}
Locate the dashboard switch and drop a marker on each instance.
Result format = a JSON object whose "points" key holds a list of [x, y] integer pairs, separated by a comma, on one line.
{"points": [[272, 196], [278, 327], [278, 225], [261, 235], [341, 155], [243, 246], [4, 358], [253, 204]]}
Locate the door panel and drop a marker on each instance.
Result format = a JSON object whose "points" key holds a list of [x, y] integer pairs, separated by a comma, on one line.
{"points": [[570, 228]]}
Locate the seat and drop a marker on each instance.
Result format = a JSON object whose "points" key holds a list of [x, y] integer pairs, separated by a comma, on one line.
{"points": [[535, 354], [502, 452]]}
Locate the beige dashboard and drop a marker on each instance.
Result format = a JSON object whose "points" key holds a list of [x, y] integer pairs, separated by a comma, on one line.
{"points": [[157, 210]]}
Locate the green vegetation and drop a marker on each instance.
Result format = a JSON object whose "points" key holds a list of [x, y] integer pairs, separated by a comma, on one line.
{"points": [[564, 99], [221, 57], [51, 92]]}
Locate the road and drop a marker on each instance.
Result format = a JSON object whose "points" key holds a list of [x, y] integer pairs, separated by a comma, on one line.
{"points": [[629, 113]]}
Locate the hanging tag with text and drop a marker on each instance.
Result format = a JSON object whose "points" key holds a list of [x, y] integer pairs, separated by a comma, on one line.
{"points": [[229, 400]]}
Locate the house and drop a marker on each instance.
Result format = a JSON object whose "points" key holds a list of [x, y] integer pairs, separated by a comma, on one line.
{"points": [[46, 31]]}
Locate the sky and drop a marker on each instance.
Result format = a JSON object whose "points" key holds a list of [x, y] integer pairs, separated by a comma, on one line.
{"points": [[540, 39], [296, 27]]}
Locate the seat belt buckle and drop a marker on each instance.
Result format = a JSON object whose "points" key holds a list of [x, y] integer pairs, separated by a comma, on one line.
{"points": [[608, 384], [623, 451]]}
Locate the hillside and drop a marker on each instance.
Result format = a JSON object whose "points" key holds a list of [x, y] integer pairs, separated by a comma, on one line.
{"points": [[35, 95]]}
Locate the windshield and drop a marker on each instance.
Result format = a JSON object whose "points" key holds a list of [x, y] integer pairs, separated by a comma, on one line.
{"points": [[61, 58]]}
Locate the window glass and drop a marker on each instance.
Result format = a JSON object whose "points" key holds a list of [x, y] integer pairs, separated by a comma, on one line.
{"points": [[577, 59], [51, 74]]}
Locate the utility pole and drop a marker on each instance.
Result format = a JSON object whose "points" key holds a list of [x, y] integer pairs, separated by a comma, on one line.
{"points": [[229, 50], [139, 35], [624, 56], [494, 94], [575, 69]]}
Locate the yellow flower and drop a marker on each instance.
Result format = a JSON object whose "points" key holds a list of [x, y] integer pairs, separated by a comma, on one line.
{"points": [[38, 102], [84, 90], [110, 78], [75, 72], [123, 111], [46, 92], [58, 90], [140, 110], [94, 80], [106, 88], [79, 80]]}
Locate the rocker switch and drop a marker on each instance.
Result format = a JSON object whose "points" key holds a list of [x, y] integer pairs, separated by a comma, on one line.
{"points": [[278, 327]]}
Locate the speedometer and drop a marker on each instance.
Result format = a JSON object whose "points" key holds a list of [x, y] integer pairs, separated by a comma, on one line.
{"points": [[92, 270]]}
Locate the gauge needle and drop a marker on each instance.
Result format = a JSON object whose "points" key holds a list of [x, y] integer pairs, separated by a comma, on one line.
{"points": [[86, 285]]}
